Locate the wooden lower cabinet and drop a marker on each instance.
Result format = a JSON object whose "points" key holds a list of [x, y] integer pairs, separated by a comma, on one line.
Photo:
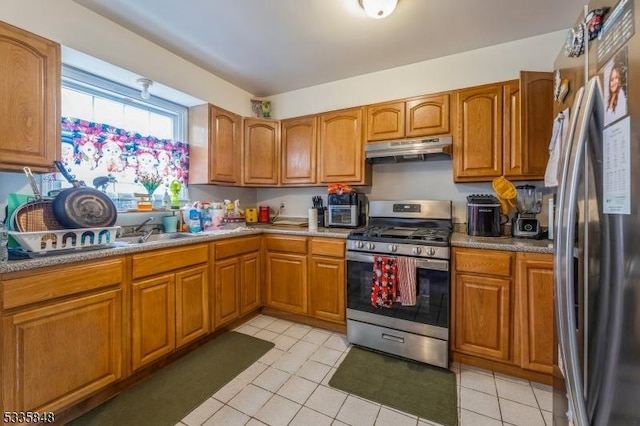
{"points": [[534, 278], [61, 343], [236, 280], [503, 305], [171, 308], [286, 277], [327, 280]]}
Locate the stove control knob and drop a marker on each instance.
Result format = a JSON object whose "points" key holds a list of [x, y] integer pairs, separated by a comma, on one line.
{"points": [[431, 251], [371, 246], [393, 247], [359, 244], [416, 250]]}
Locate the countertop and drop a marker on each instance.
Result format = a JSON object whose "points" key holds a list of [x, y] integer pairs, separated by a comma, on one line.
{"points": [[458, 239], [121, 248], [462, 239]]}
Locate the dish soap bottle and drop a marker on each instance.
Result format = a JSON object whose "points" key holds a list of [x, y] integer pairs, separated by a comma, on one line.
{"points": [[166, 200]]}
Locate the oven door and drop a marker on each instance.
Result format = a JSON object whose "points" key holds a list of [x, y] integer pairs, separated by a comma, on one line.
{"points": [[432, 292]]}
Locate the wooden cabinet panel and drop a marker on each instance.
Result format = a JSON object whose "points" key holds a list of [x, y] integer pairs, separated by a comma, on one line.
{"points": [[154, 319], [30, 101], [327, 289], [385, 121], [341, 147], [286, 286], [215, 152], [528, 159], [227, 281], [23, 288], [428, 116], [61, 353], [250, 283], [289, 244], [237, 246], [512, 129], [480, 261], [192, 304], [160, 261], [298, 144], [261, 152], [477, 146], [328, 247], [535, 304], [483, 316]]}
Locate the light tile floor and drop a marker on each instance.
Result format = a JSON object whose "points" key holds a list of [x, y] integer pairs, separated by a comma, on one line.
{"points": [[289, 386]]}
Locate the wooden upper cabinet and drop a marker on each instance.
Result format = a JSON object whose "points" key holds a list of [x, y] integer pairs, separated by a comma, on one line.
{"points": [[412, 118], [385, 121], [526, 156], [341, 147], [30, 84], [261, 151], [215, 146], [503, 129], [477, 145], [428, 116], [298, 144]]}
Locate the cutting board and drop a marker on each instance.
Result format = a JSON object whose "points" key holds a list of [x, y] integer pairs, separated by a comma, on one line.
{"points": [[302, 222]]}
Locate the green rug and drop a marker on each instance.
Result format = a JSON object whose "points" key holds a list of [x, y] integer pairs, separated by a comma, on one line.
{"points": [[174, 391], [426, 391]]}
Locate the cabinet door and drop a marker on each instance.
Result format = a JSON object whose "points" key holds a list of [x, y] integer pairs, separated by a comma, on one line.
{"points": [[385, 121], [298, 144], [261, 152], [56, 355], [529, 109], [227, 297], [535, 301], [327, 289], [341, 147], [477, 145], [30, 101], [428, 116], [483, 316], [286, 286], [250, 283], [154, 319], [225, 155], [192, 304]]}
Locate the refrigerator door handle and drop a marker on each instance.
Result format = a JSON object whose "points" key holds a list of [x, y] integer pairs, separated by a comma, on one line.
{"points": [[563, 262]]}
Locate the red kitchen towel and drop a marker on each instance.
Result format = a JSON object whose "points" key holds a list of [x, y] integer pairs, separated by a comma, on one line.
{"points": [[407, 280], [384, 286]]}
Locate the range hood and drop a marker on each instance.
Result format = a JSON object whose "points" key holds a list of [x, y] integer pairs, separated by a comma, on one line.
{"points": [[409, 150]]}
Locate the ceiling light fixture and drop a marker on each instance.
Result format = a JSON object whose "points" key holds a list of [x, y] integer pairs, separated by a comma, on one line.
{"points": [[146, 84], [378, 8]]}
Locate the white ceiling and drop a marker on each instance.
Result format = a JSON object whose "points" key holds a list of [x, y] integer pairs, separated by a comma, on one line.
{"points": [[268, 47]]}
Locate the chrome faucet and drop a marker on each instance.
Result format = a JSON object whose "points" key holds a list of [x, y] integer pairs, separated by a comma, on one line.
{"points": [[146, 236], [139, 227]]}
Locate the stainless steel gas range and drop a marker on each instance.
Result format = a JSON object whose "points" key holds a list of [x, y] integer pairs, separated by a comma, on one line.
{"points": [[398, 281]]}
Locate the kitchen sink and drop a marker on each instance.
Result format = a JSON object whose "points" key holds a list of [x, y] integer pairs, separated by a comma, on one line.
{"points": [[154, 237]]}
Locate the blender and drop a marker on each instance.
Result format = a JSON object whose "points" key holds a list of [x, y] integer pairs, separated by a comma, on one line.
{"points": [[529, 204]]}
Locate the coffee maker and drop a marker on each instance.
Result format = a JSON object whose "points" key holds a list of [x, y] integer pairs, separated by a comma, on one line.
{"points": [[529, 204]]}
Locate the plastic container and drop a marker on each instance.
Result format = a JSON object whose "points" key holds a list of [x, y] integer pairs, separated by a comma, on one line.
{"points": [[194, 220]]}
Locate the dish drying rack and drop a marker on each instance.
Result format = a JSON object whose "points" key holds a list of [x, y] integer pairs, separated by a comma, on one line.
{"points": [[65, 239]]}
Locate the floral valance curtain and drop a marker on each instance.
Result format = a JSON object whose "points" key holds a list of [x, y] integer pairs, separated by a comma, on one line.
{"points": [[91, 150]]}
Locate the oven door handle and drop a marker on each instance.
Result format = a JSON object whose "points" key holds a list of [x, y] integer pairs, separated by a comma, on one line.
{"points": [[434, 264]]}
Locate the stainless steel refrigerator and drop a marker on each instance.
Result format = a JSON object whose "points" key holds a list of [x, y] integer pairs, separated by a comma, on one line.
{"points": [[597, 245]]}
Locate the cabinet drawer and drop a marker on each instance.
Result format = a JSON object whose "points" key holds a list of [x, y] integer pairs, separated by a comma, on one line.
{"points": [[490, 262], [327, 247], [236, 246], [159, 261], [287, 244], [24, 288]]}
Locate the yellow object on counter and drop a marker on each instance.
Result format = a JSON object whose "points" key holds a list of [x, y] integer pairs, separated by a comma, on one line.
{"points": [[251, 215]]}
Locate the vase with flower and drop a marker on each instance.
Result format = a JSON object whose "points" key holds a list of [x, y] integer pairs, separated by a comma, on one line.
{"points": [[151, 182]]}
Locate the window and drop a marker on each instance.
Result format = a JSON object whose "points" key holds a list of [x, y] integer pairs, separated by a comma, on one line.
{"points": [[111, 138]]}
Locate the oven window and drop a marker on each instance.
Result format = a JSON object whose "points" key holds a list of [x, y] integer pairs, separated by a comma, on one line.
{"points": [[432, 295], [340, 215]]}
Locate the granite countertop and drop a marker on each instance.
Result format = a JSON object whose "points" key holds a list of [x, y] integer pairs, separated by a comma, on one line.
{"points": [[462, 239], [119, 248]]}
